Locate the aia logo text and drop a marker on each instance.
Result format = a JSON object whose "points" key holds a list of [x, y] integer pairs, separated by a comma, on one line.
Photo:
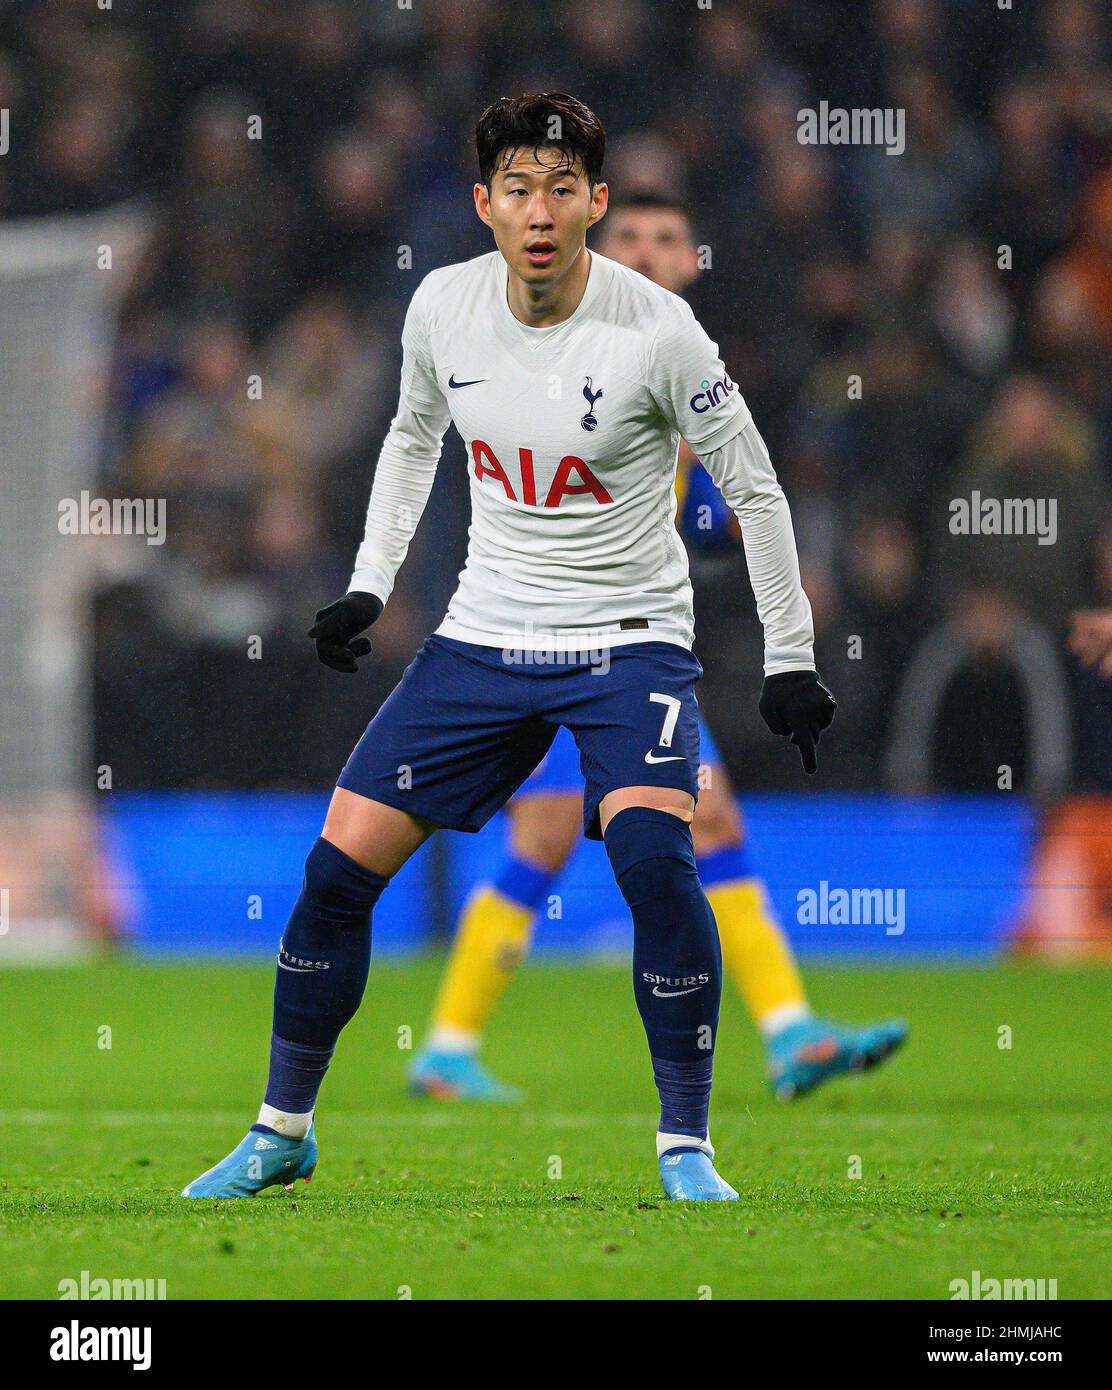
{"points": [[573, 477]]}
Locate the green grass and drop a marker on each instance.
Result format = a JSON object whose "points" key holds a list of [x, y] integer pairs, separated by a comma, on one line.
{"points": [[972, 1157]]}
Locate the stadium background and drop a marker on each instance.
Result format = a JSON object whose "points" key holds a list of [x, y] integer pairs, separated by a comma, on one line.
{"points": [[279, 257]]}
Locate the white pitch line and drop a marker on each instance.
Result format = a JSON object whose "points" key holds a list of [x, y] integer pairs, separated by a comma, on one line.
{"points": [[426, 1119], [445, 1119]]}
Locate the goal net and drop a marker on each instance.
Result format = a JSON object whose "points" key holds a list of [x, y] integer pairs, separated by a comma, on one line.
{"points": [[61, 281]]}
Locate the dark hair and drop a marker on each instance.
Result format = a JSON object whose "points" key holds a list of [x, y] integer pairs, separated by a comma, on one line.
{"points": [[514, 123], [649, 198], [655, 201]]}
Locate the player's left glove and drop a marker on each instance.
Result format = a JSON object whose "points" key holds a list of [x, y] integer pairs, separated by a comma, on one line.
{"points": [[797, 704], [337, 628]]}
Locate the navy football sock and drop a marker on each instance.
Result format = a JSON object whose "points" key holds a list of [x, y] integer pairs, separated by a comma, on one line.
{"points": [[322, 971], [677, 961]]}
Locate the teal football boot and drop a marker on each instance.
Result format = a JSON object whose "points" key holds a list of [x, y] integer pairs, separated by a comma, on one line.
{"points": [[812, 1051], [457, 1076], [688, 1176], [261, 1159]]}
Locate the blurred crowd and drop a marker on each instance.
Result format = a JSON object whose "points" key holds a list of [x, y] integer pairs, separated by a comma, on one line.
{"points": [[907, 330]]}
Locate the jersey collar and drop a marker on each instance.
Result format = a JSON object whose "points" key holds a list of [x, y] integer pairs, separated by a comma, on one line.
{"points": [[509, 328]]}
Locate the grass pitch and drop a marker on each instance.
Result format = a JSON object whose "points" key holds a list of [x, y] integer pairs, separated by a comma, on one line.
{"points": [[971, 1155]]}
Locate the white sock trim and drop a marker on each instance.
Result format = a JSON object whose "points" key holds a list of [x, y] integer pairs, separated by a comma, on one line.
{"points": [[460, 1041], [664, 1142], [292, 1126], [776, 1020]]}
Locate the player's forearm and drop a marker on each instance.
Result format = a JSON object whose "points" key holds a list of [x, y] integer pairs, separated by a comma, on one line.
{"points": [[743, 473], [403, 481]]}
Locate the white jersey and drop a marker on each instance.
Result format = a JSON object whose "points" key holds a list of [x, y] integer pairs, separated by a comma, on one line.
{"points": [[572, 438]]}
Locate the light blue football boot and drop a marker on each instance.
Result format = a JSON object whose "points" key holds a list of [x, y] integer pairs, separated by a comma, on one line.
{"points": [[688, 1176], [456, 1076], [805, 1054], [261, 1159]]}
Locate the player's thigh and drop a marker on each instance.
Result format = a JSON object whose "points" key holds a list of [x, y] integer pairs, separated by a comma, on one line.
{"points": [[545, 826], [379, 837], [451, 744], [678, 803], [717, 824]]}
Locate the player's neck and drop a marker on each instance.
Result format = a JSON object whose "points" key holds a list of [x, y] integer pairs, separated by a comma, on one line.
{"points": [[544, 306]]}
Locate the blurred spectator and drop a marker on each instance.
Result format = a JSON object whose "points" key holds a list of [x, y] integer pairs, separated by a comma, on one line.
{"points": [[1091, 638], [983, 706], [1091, 648], [940, 178], [1031, 446], [1087, 266], [323, 385], [883, 616], [231, 223], [195, 432], [971, 311]]}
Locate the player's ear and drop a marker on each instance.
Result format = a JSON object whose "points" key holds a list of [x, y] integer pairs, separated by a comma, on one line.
{"points": [[600, 199], [482, 203]]}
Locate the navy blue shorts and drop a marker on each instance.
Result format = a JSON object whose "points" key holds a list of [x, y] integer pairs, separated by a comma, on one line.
{"points": [[558, 773], [464, 728]]}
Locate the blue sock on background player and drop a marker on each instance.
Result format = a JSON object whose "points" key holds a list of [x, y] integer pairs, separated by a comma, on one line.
{"points": [[677, 961], [323, 964]]}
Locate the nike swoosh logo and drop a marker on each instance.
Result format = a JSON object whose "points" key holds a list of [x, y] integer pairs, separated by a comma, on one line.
{"points": [[674, 758], [672, 993], [295, 970], [455, 385]]}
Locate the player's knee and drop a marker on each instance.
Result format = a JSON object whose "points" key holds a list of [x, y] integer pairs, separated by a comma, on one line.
{"points": [[652, 855], [343, 891]]}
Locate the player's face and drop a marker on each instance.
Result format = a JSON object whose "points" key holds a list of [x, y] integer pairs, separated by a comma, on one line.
{"points": [[655, 241], [539, 211]]}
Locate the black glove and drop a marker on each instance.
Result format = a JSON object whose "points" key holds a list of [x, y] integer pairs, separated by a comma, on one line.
{"points": [[338, 624], [797, 703]]}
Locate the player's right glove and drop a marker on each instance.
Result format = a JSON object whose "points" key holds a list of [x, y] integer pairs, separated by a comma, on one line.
{"points": [[796, 703], [337, 628]]}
